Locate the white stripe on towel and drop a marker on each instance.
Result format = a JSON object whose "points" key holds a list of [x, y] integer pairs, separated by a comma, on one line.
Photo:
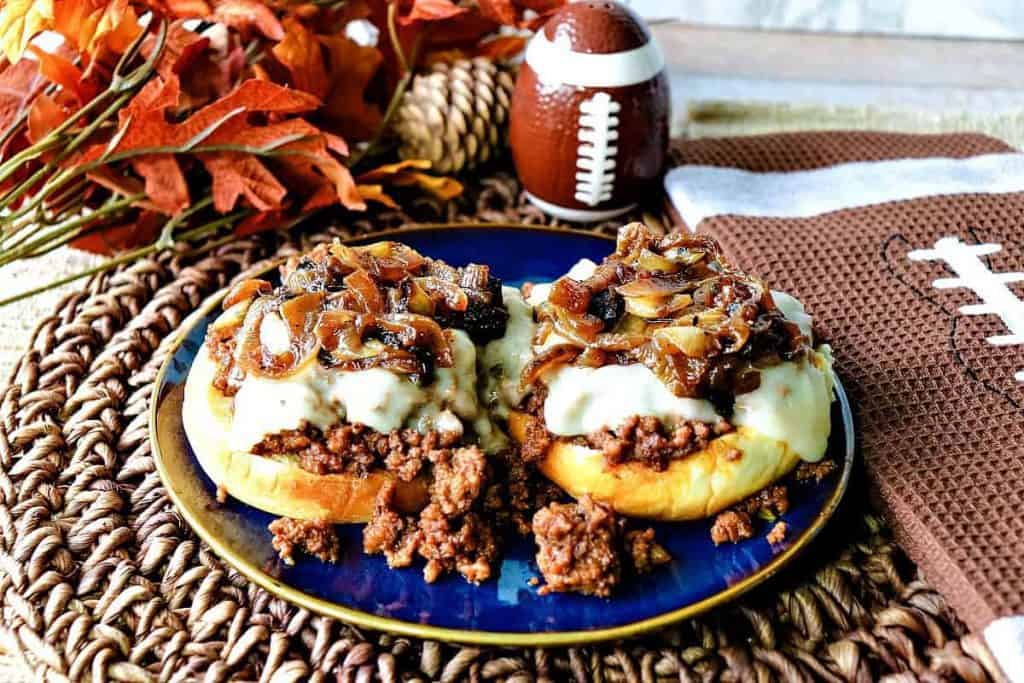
{"points": [[702, 191]]}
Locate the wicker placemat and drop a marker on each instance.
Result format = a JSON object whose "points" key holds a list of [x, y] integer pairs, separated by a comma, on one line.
{"points": [[100, 578]]}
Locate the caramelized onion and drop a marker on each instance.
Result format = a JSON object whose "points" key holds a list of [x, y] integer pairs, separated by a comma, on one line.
{"points": [[301, 313], [253, 357], [658, 285], [412, 331], [370, 298], [563, 354], [569, 294], [446, 291], [246, 290]]}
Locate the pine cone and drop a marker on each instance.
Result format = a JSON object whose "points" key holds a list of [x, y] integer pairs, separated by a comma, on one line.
{"points": [[456, 115]]}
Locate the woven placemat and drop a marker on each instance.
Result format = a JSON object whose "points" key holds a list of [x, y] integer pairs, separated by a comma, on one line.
{"points": [[100, 578]]}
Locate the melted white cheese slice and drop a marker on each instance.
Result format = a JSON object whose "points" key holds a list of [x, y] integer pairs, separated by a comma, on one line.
{"points": [[503, 359], [378, 398]]}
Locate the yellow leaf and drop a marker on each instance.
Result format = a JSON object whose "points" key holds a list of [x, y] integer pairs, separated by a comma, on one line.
{"points": [[441, 187], [387, 170], [20, 22], [375, 193]]}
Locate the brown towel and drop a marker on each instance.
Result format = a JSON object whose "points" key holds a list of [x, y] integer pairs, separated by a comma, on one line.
{"points": [[938, 405]]}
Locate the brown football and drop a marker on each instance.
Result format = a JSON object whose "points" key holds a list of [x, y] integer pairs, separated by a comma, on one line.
{"points": [[589, 123]]}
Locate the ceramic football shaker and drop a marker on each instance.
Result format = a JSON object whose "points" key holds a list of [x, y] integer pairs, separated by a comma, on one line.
{"points": [[589, 125]]}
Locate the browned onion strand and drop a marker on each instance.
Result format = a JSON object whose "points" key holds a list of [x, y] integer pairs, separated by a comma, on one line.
{"points": [[382, 305], [674, 304]]}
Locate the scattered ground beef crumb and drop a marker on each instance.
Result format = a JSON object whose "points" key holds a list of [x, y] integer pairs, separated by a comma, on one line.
{"points": [[314, 537], [220, 344], [450, 534], [222, 494], [816, 471], [644, 552], [536, 439], [778, 533], [390, 533], [646, 440], [578, 547], [770, 501], [731, 526]]}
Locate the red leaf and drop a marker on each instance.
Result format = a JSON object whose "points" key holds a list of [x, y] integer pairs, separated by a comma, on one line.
{"points": [[245, 14], [501, 48], [19, 84]]}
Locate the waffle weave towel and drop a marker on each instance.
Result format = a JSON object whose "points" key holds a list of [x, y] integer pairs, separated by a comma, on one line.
{"points": [[909, 251]]}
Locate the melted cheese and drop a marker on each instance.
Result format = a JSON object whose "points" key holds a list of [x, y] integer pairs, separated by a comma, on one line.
{"points": [[503, 359], [792, 404], [378, 398], [584, 400]]}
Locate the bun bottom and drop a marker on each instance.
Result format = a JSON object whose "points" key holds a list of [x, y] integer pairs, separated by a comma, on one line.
{"points": [[274, 484], [697, 486]]}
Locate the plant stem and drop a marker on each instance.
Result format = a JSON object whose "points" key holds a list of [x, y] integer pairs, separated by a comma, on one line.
{"points": [[396, 44]]}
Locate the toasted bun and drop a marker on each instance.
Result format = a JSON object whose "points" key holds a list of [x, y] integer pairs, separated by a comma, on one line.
{"points": [[693, 487], [274, 484]]}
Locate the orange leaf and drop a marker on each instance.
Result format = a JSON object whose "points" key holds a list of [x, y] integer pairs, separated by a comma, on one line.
{"points": [[502, 11], [237, 175], [58, 69], [302, 55], [375, 193], [43, 116], [260, 222], [351, 69], [88, 25], [110, 240], [432, 10], [188, 8], [501, 48], [245, 14], [165, 184]]}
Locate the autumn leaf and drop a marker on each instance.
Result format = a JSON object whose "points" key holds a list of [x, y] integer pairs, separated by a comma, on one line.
{"points": [[502, 11], [242, 15], [431, 10], [300, 52], [20, 83], [58, 69], [501, 48], [351, 68], [43, 116], [259, 222], [20, 22], [405, 173], [88, 25], [112, 239]]}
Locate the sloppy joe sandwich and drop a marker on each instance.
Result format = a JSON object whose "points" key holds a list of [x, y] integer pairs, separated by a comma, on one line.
{"points": [[665, 382], [309, 397]]}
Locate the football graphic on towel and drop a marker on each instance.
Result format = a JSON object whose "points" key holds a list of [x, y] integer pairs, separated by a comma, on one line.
{"points": [[589, 124]]}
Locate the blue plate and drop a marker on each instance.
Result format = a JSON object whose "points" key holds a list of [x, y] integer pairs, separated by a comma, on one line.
{"points": [[507, 611]]}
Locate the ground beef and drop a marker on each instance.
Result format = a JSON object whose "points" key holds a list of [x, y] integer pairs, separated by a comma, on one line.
{"points": [[390, 533], [778, 533], [451, 533], [731, 526], [459, 477], [519, 492], [313, 537], [578, 547], [646, 440], [815, 471], [536, 439], [467, 544], [769, 502], [220, 344], [355, 449], [644, 553]]}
